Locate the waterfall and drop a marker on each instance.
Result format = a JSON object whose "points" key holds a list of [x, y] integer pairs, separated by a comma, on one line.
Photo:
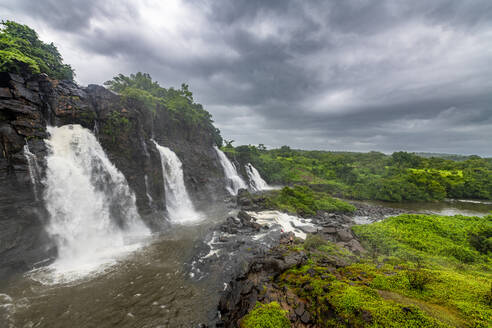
{"points": [[96, 129], [256, 182], [34, 171], [178, 202], [93, 216], [147, 158], [234, 181], [144, 147], [149, 198]]}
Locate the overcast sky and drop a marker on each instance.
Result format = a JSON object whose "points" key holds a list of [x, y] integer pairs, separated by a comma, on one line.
{"points": [[352, 75]]}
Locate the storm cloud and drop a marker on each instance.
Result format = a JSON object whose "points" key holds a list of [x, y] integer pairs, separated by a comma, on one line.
{"points": [[354, 75]]}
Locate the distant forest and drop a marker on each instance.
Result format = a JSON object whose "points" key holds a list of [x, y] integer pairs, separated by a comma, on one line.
{"points": [[398, 177]]}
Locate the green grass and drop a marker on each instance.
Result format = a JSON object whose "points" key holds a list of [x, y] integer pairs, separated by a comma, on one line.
{"points": [[269, 315], [455, 271], [431, 238], [336, 301], [425, 271], [304, 201]]}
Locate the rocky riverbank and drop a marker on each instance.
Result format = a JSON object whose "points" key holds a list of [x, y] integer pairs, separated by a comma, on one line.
{"points": [[256, 245]]}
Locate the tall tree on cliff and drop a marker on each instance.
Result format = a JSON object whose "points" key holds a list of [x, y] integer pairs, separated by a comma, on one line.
{"points": [[22, 52]]}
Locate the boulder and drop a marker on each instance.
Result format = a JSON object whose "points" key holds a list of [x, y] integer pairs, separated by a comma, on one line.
{"points": [[345, 235]]}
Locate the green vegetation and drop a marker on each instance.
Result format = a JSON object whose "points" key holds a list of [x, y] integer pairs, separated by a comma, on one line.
{"points": [[399, 177], [178, 102], [116, 124], [22, 52], [425, 271], [303, 201], [430, 238], [268, 315]]}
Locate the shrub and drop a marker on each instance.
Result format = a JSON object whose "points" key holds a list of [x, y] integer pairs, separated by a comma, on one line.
{"points": [[303, 201], [418, 278], [460, 253], [314, 242], [268, 315], [481, 239]]}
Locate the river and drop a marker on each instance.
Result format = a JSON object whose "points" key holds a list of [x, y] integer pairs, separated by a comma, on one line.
{"points": [[152, 287], [445, 207]]}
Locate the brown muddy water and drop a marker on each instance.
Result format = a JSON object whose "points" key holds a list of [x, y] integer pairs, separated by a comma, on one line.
{"points": [[151, 287]]}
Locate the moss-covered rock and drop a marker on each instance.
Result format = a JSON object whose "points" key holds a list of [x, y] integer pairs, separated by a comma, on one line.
{"points": [[269, 315]]}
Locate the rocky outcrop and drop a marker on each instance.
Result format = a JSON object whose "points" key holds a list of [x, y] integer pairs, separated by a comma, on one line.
{"points": [[22, 239], [257, 284], [124, 128], [261, 279]]}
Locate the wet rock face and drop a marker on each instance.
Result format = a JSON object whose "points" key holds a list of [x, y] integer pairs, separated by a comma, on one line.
{"points": [[29, 103], [203, 174], [22, 239], [257, 284]]}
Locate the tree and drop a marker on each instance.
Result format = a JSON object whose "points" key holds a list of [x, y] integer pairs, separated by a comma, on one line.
{"points": [[285, 151], [178, 102], [405, 160], [22, 52], [228, 143]]}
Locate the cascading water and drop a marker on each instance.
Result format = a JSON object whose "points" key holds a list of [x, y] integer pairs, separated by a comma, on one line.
{"points": [[149, 198], [147, 157], [93, 216], [33, 166], [234, 181], [95, 129], [178, 202], [256, 182]]}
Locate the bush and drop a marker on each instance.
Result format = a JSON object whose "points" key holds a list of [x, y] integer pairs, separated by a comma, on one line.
{"points": [[481, 239], [460, 253], [303, 201], [418, 278], [313, 242], [268, 315]]}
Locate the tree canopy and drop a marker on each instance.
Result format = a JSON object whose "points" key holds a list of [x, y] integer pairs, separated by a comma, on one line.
{"points": [[22, 52], [179, 102], [399, 177]]}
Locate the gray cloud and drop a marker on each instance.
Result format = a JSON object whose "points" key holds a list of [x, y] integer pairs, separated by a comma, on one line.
{"points": [[344, 75]]}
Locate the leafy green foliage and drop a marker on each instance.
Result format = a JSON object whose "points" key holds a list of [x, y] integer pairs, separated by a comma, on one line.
{"points": [[427, 237], [399, 177], [116, 124], [454, 250], [420, 277], [304, 201], [313, 242], [336, 301], [481, 239], [178, 102], [22, 52], [268, 315]]}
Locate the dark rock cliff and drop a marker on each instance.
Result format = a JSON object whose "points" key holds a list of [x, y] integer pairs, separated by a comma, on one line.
{"points": [[124, 129]]}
